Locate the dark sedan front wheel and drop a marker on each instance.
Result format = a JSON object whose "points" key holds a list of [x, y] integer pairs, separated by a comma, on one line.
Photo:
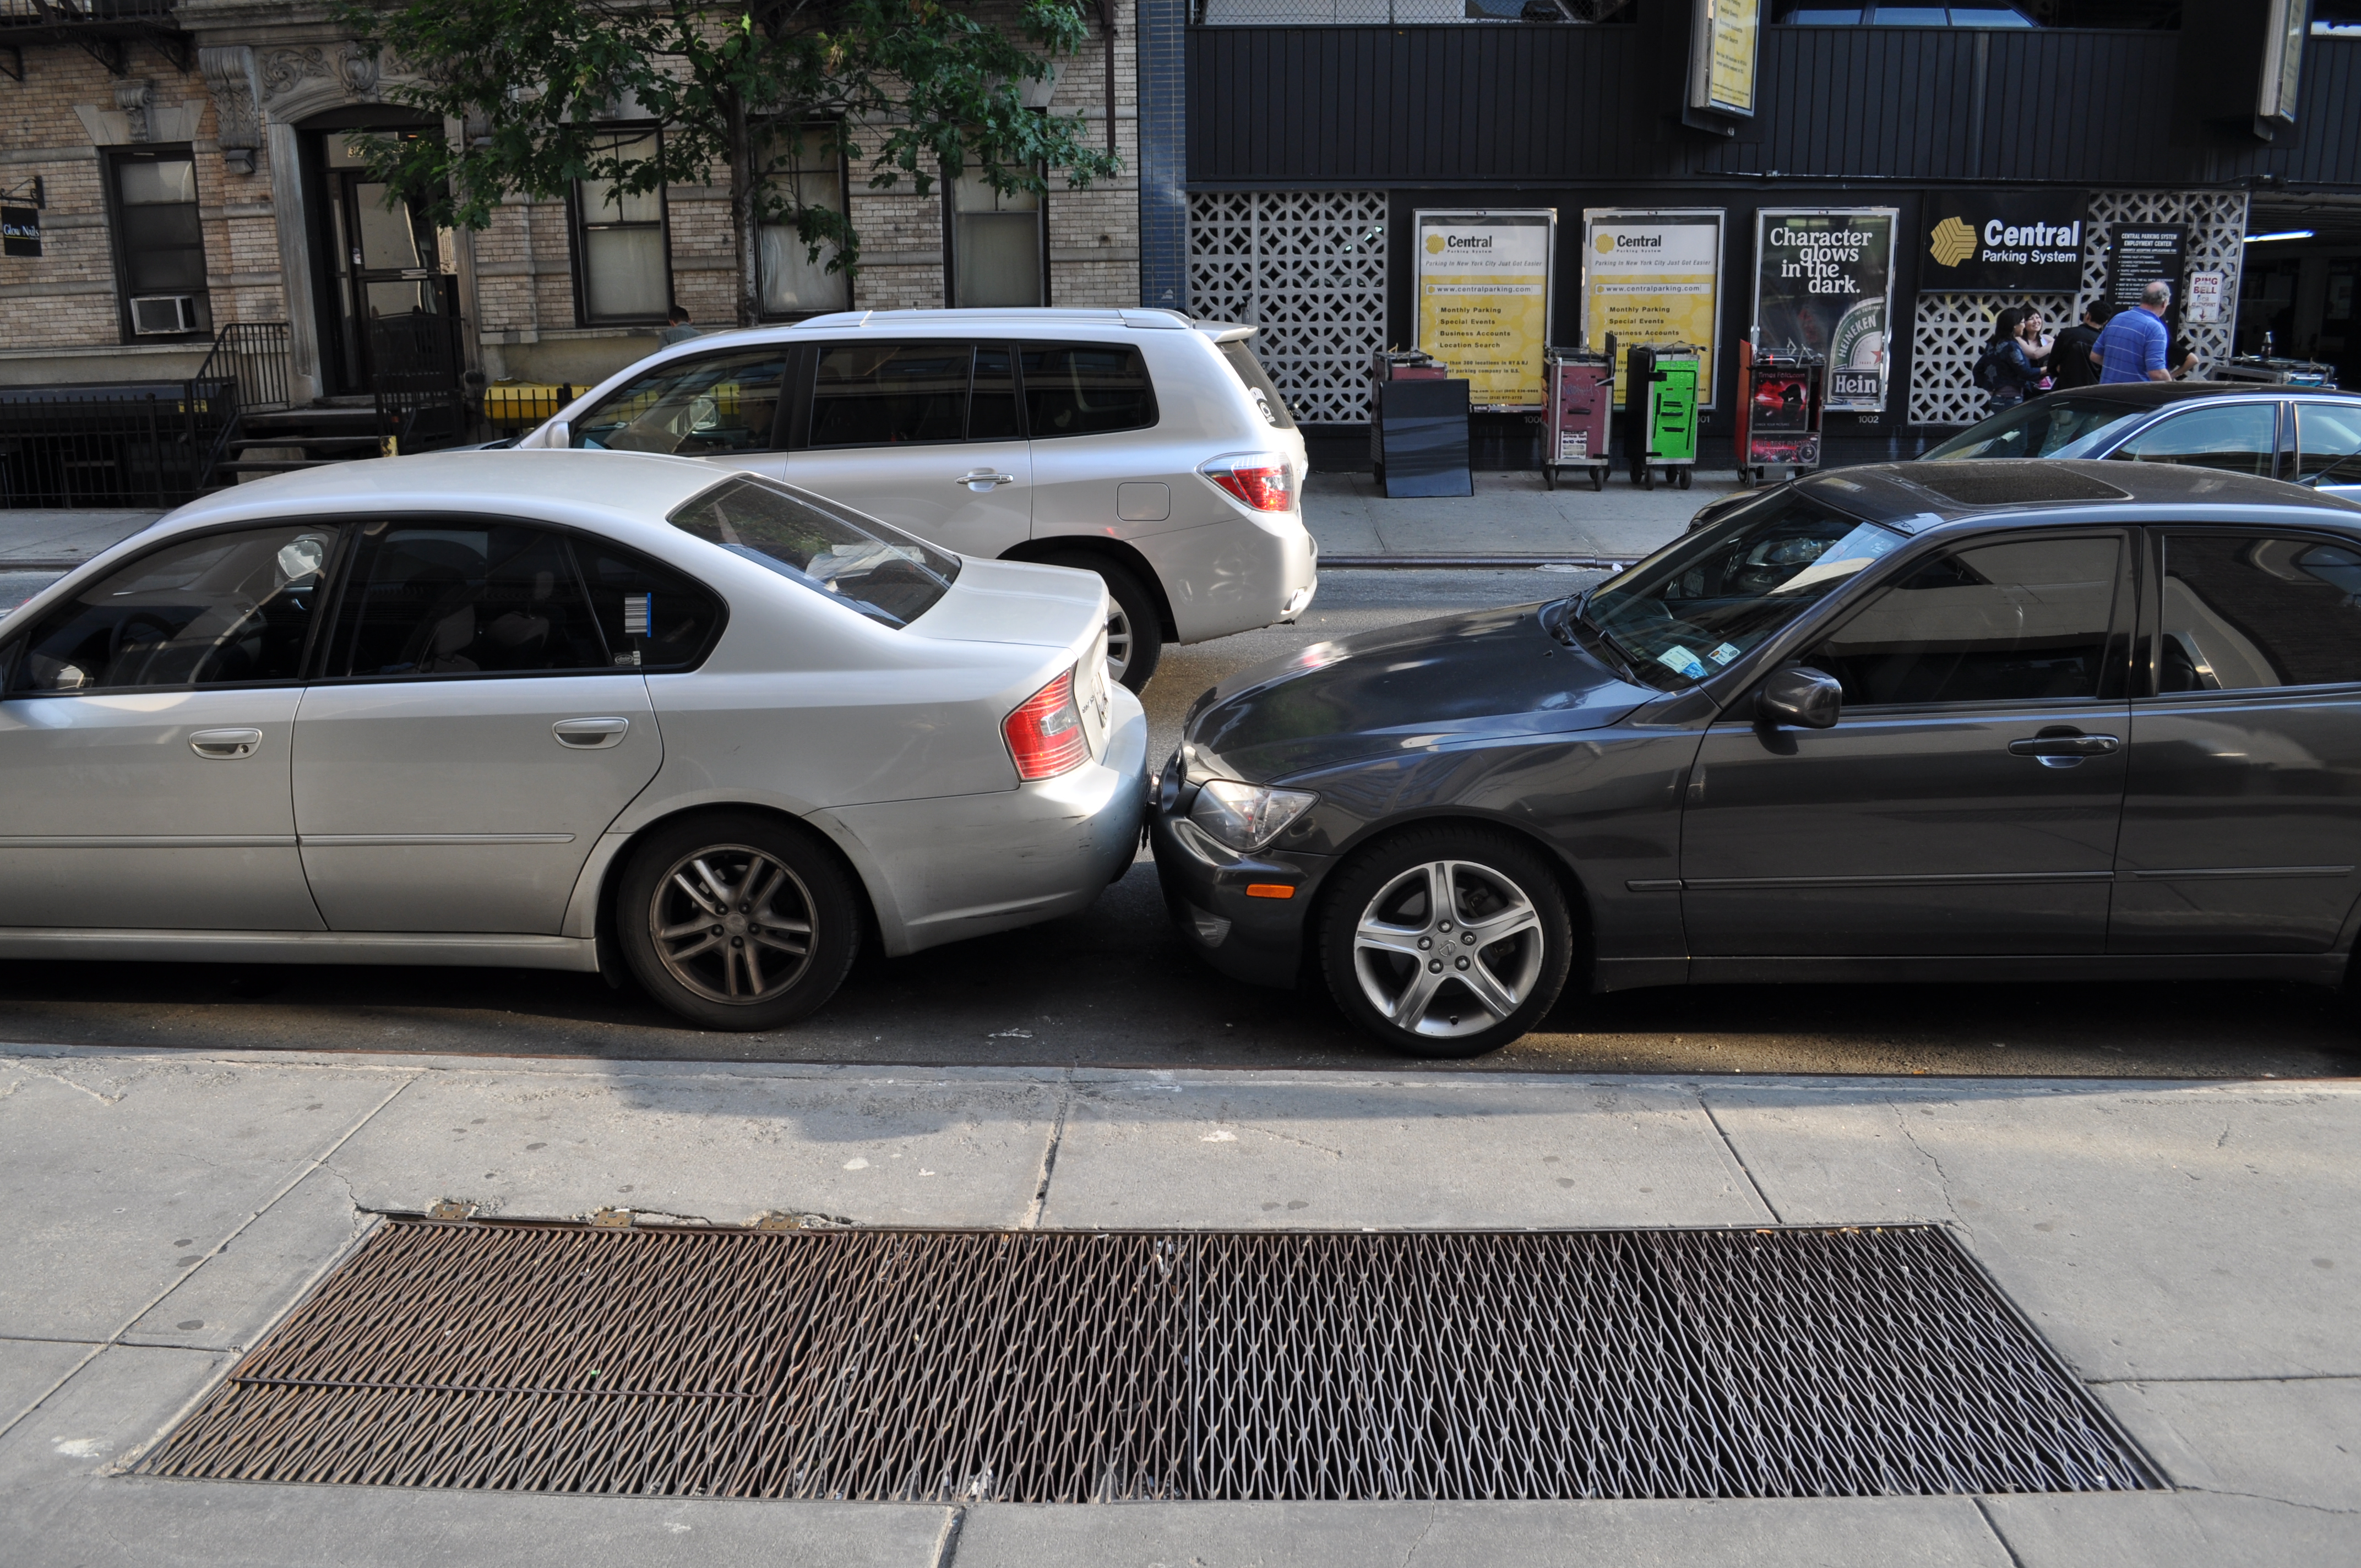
{"points": [[1446, 941]]}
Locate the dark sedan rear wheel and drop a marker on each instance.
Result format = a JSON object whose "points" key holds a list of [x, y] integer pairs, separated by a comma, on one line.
{"points": [[1446, 941], [737, 921]]}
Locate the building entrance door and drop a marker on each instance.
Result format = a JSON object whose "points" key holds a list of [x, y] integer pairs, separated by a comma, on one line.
{"points": [[386, 267]]}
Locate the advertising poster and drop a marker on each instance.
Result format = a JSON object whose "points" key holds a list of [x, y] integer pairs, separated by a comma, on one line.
{"points": [[1484, 300], [1722, 58], [1652, 277], [1824, 280], [1975, 240]]}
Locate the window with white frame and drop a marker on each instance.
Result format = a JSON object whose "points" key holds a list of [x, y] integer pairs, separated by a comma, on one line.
{"points": [[620, 244], [998, 246]]}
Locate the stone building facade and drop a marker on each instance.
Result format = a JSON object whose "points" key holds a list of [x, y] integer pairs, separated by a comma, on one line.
{"points": [[221, 126]]}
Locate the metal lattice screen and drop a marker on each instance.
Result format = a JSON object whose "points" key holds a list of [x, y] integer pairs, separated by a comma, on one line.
{"points": [[1307, 267], [1952, 329]]}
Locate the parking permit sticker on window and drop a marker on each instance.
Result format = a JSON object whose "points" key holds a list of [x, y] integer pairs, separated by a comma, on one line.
{"points": [[1725, 653], [1680, 661]]}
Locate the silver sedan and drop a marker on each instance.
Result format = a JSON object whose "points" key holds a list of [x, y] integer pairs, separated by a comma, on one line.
{"points": [[556, 709]]}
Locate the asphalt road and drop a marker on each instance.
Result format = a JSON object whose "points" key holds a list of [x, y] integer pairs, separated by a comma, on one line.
{"points": [[1114, 986]]}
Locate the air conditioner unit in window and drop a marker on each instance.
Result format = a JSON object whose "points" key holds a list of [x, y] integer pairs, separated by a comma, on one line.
{"points": [[164, 313]]}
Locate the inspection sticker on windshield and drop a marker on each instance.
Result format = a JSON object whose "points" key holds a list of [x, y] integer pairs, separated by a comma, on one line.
{"points": [[1682, 662], [1724, 654]]}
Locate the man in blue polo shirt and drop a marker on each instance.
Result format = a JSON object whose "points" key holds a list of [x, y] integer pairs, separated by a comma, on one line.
{"points": [[2132, 347]]}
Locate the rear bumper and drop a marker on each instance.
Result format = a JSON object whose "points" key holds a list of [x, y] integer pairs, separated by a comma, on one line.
{"points": [[967, 865], [1260, 940], [1234, 576]]}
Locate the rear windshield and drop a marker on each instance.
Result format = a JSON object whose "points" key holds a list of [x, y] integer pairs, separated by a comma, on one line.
{"points": [[857, 560], [2039, 427], [1259, 386]]}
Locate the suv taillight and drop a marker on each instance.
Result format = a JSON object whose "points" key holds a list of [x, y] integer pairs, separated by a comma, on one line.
{"points": [[1260, 481], [1045, 733]]}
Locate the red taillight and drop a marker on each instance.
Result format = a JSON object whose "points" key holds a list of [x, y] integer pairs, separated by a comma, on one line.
{"points": [[1264, 486], [1044, 734]]}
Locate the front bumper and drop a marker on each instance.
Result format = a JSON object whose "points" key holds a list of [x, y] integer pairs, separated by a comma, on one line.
{"points": [[967, 865], [1259, 939]]}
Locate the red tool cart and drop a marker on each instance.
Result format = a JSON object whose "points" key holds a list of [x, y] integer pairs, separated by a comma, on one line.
{"points": [[1579, 393], [1780, 406]]}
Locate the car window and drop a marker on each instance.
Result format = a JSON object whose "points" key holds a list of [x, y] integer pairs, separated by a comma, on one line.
{"points": [[220, 609], [863, 564], [991, 401], [1693, 607], [1258, 384], [2240, 612], [692, 407], [464, 599], [890, 394], [648, 613], [2015, 621], [2328, 444], [1086, 388], [2041, 428], [2237, 438]]}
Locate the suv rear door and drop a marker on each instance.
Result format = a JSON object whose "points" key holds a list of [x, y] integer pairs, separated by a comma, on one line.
{"points": [[925, 436], [1106, 462]]}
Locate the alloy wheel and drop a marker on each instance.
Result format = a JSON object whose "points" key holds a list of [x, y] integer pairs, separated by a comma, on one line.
{"points": [[1447, 949], [733, 924], [1118, 641]]}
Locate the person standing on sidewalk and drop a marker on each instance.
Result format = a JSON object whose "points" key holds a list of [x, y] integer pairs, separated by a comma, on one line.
{"points": [[2132, 347], [677, 328], [2072, 361], [2009, 369]]}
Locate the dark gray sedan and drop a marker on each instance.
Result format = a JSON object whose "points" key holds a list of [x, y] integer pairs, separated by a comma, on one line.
{"points": [[1928, 721]]}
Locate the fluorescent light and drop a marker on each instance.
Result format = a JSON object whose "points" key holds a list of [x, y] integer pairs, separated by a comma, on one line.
{"points": [[2283, 234]]}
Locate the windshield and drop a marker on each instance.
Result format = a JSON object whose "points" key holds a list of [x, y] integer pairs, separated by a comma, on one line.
{"points": [[858, 562], [2042, 427], [1695, 606]]}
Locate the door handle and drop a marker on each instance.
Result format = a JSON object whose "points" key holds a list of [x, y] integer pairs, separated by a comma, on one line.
{"points": [[590, 734], [984, 477], [2063, 746], [224, 745]]}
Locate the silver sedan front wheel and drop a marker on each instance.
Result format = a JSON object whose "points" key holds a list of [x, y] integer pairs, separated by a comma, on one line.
{"points": [[1445, 941]]}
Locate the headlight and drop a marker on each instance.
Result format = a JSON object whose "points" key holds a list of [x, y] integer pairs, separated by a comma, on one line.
{"points": [[1248, 816]]}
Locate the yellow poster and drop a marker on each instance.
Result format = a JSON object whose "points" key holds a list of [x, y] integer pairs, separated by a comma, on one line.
{"points": [[1727, 33], [1484, 300], [1654, 278]]}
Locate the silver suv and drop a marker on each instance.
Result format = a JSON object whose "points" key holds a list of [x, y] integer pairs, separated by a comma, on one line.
{"points": [[1140, 444]]}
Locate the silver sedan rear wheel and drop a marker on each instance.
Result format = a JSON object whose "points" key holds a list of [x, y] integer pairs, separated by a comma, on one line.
{"points": [[733, 924], [1448, 948]]}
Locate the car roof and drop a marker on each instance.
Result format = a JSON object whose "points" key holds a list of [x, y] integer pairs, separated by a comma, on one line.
{"points": [[1015, 321], [2158, 394], [622, 486], [1929, 493]]}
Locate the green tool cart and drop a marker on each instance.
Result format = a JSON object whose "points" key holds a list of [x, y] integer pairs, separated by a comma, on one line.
{"points": [[1660, 413]]}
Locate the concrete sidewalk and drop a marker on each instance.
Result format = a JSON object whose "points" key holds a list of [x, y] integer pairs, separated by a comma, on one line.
{"points": [[2188, 1248]]}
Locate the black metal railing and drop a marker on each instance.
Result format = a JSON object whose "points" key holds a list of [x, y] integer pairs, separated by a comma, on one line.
{"points": [[416, 369], [258, 355], [16, 13], [149, 445]]}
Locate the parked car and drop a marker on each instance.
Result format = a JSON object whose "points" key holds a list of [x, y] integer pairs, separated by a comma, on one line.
{"points": [[551, 709], [1921, 721], [1138, 444], [2300, 435]]}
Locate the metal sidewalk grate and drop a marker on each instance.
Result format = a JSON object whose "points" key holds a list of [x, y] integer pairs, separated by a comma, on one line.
{"points": [[1045, 1367]]}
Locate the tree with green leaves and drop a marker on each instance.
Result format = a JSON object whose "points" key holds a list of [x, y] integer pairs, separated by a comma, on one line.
{"points": [[909, 90]]}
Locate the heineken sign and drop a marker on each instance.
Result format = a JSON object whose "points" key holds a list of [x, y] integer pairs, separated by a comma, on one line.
{"points": [[1824, 281], [1984, 240]]}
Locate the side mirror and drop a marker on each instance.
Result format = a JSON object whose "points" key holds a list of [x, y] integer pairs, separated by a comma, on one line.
{"points": [[559, 436], [1801, 697]]}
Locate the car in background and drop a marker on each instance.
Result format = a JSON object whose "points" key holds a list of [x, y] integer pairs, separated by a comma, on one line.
{"points": [[1140, 444], [1932, 721], [551, 710], [2300, 435]]}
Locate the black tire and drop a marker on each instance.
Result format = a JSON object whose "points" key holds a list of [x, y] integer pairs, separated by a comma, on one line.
{"points": [[1549, 477], [1134, 620], [1382, 885], [807, 887], [1681, 477], [1647, 478], [1598, 478]]}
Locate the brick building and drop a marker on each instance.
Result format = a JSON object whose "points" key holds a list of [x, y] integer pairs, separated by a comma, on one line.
{"points": [[171, 167]]}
